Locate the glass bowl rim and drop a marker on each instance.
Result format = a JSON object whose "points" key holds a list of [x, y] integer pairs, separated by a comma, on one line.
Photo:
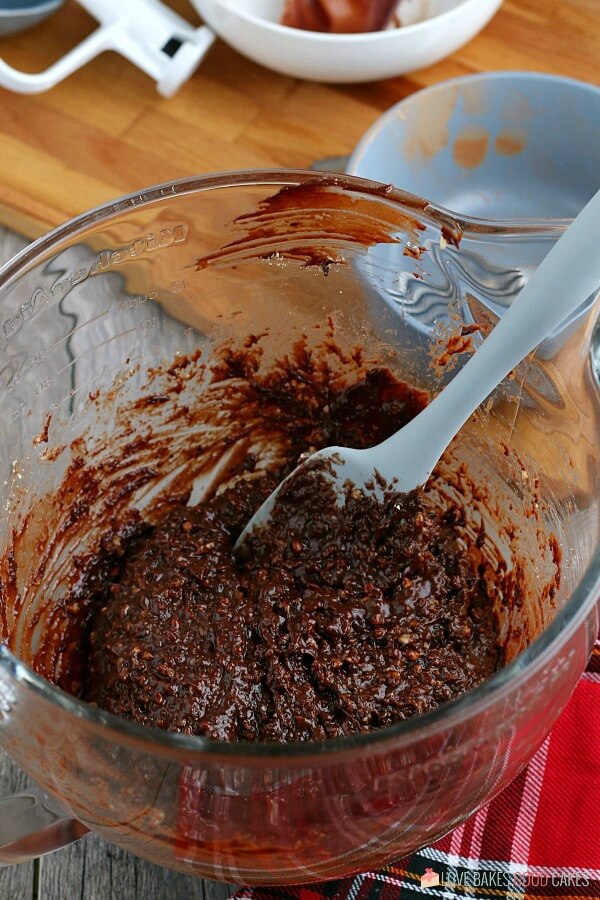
{"points": [[416, 728]]}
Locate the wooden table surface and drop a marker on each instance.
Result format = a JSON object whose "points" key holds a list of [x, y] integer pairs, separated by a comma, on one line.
{"points": [[106, 132]]}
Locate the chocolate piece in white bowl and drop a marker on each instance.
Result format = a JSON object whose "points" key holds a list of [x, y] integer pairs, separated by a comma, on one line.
{"points": [[430, 31], [339, 16]]}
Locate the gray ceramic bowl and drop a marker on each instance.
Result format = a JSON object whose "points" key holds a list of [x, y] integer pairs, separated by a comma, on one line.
{"points": [[17, 15], [496, 145]]}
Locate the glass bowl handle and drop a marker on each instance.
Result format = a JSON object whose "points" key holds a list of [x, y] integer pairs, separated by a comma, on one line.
{"points": [[32, 824]]}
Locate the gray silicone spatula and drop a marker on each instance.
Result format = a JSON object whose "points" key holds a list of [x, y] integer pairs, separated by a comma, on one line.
{"points": [[568, 275]]}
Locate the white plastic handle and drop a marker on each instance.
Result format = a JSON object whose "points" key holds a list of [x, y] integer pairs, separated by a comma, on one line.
{"points": [[146, 32]]}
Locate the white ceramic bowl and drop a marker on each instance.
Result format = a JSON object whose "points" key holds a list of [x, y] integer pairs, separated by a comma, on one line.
{"points": [[251, 26]]}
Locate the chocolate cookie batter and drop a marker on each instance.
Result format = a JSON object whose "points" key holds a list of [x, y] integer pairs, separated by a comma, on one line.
{"points": [[335, 621]]}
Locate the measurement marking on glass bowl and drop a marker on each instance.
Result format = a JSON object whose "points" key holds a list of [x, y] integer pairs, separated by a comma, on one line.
{"points": [[77, 328], [176, 234]]}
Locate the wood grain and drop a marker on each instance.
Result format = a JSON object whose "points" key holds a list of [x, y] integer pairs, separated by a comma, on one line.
{"points": [[96, 870], [106, 131]]}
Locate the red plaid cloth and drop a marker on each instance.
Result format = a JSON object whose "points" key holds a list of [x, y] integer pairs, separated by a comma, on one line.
{"points": [[539, 838]]}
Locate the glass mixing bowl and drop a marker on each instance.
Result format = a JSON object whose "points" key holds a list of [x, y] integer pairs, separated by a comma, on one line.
{"points": [[93, 316]]}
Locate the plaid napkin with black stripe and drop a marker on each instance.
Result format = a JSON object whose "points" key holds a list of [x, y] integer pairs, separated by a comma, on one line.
{"points": [[539, 838]]}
